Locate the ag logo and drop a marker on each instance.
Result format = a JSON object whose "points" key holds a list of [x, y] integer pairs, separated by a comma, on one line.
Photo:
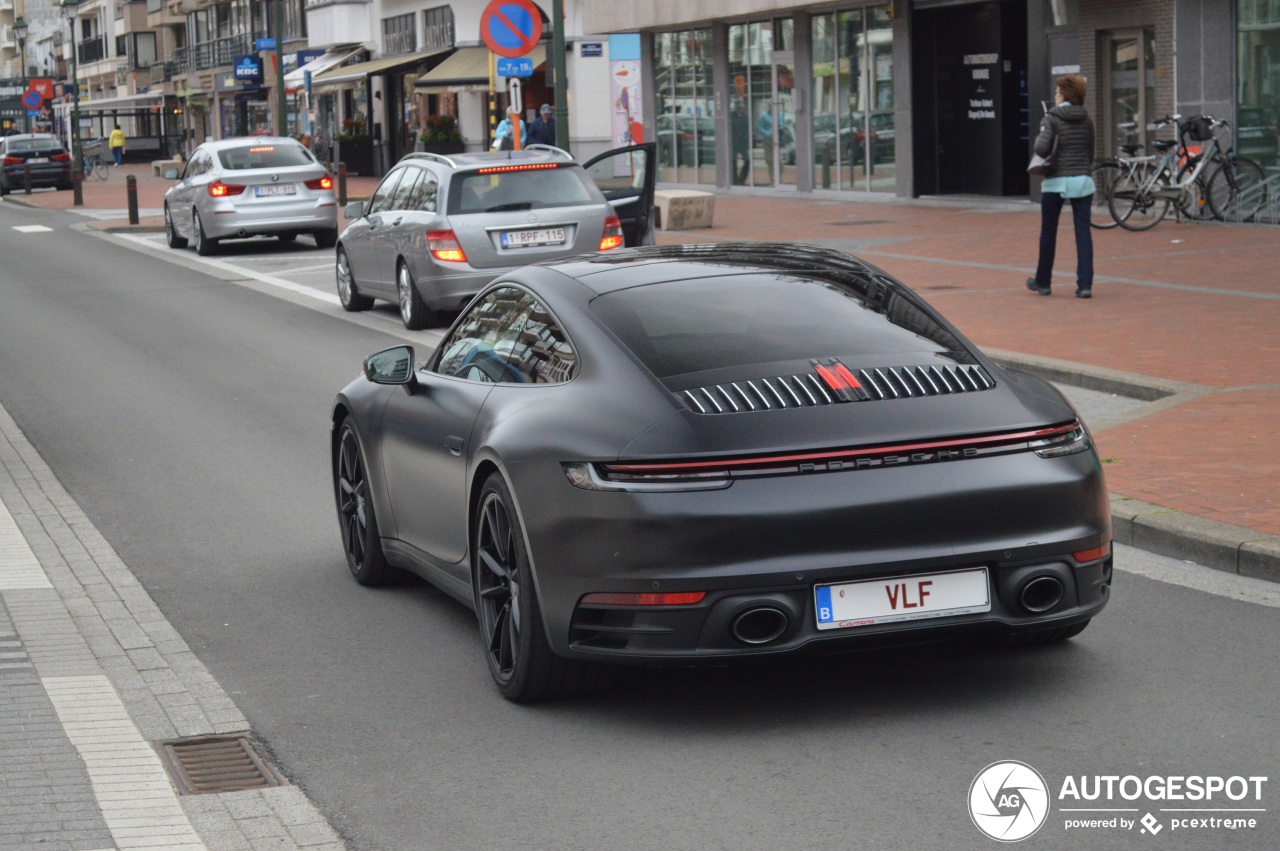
{"points": [[1008, 801]]}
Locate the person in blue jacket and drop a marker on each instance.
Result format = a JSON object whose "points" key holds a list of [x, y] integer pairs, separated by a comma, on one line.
{"points": [[504, 138]]}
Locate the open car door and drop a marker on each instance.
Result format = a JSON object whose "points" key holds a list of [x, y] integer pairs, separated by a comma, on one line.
{"points": [[627, 176]]}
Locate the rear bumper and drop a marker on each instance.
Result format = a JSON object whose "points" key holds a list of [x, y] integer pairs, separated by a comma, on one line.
{"points": [[231, 220], [56, 174]]}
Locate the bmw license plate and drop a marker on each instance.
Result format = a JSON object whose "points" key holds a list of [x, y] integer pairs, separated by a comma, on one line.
{"points": [[902, 598], [281, 189], [526, 238], [38, 160]]}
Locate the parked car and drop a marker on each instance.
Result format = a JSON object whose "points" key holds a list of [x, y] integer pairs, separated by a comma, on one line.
{"points": [[853, 137], [258, 186], [1256, 136], [49, 161], [439, 228], [703, 453], [683, 135]]}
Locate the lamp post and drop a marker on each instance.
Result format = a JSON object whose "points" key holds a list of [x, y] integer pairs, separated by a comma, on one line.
{"points": [[20, 33], [69, 11]]}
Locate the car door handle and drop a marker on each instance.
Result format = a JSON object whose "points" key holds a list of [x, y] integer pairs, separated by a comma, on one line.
{"points": [[395, 223], [454, 444]]}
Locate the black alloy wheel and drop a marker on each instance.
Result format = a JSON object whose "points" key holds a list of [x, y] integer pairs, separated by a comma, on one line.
{"points": [[511, 628], [356, 519], [170, 232]]}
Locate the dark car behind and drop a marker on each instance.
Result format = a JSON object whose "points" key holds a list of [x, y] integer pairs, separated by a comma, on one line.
{"points": [[42, 153]]}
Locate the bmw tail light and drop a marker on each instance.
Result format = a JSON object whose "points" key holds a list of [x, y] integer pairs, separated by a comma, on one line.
{"points": [[612, 236], [444, 245], [325, 182], [218, 189], [61, 158], [10, 160]]}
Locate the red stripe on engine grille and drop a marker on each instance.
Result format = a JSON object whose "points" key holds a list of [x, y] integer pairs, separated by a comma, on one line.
{"points": [[668, 468]]}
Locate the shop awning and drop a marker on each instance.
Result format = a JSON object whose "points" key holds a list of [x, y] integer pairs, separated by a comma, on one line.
{"points": [[466, 71], [297, 78], [351, 73]]}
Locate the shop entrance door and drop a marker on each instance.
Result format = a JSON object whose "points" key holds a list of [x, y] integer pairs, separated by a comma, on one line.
{"points": [[1130, 88], [783, 108]]}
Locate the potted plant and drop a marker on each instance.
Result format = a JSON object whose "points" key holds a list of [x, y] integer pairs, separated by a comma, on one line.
{"points": [[355, 147], [440, 135]]}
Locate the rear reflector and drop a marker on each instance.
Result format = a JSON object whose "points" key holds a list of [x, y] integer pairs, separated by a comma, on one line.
{"points": [[1093, 554], [612, 236], [683, 598], [444, 245]]}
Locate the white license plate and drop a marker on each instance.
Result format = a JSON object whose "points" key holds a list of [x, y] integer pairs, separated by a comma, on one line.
{"points": [[525, 238], [902, 598], [285, 189], [38, 160]]}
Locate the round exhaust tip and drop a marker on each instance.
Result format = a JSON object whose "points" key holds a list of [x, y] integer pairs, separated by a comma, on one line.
{"points": [[760, 625], [1041, 594]]}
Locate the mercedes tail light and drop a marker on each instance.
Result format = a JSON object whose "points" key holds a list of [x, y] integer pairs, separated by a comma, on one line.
{"points": [[218, 189], [612, 236], [444, 245]]}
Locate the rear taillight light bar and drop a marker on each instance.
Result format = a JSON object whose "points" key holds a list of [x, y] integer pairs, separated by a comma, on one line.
{"points": [[673, 598], [1050, 442]]}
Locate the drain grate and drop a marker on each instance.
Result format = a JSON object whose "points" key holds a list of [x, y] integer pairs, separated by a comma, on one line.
{"points": [[211, 764]]}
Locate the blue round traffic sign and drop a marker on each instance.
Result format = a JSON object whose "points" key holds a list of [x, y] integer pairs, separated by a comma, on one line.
{"points": [[511, 28], [32, 100]]}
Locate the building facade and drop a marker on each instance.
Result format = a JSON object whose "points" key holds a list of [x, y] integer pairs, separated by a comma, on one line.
{"points": [[932, 97]]}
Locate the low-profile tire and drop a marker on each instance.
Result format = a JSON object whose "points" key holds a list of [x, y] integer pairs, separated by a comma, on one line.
{"points": [[511, 629], [326, 238], [414, 312], [356, 518], [171, 237], [203, 244], [1053, 635], [348, 293], [286, 237], [4, 190]]}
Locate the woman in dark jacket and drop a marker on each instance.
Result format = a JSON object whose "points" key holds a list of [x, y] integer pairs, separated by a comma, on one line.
{"points": [[1070, 125]]}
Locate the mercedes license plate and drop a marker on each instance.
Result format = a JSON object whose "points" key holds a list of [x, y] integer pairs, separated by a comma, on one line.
{"points": [[279, 189], [902, 598], [526, 238]]}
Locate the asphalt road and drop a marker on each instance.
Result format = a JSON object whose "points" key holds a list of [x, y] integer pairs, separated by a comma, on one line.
{"points": [[186, 412]]}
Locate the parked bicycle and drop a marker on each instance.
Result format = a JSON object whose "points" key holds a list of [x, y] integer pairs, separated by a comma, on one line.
{"points": [[94, 160], [1144, 188]]}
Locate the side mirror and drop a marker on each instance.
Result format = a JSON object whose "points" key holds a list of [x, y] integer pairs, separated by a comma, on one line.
{"points": [[354, 210], [170, 174], [392, 366]]}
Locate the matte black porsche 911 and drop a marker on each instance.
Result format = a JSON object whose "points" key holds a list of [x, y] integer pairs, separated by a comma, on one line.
{"points": [[712, 452]]}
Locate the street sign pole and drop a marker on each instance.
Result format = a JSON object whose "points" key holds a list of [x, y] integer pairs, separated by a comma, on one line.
{"points": [[562, 84], [281, 112]]}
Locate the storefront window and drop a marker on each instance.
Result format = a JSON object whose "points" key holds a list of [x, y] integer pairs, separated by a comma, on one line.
{"points": [[853, 120], [684, 121], [1258, 93]]}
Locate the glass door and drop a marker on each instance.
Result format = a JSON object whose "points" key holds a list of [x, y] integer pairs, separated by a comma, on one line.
{"points": [[783, 160], [1130, 93]]}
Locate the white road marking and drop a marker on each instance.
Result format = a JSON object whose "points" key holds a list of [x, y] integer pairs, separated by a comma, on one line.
{"points": [[19, 568], [32, 229]]}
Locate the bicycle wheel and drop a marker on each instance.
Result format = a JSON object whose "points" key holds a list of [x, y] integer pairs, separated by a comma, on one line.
{"points": [[1237, 189], [1194, 201], [1133, 199], [100, 170], [1104, 174]]}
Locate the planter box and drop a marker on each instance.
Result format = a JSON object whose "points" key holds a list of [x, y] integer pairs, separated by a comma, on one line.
{"points": [[442, 148], [358, 157]]}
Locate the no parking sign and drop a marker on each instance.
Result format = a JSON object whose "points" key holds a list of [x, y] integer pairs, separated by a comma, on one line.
{"points": [[511, 28]]}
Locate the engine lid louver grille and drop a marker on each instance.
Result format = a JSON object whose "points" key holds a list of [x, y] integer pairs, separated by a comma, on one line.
{"points": [[807, 390]]}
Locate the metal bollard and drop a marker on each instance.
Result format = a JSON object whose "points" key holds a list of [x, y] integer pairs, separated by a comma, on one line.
{"points": [[77, 179], [342, 184], [826, 168], [131, 190], [26, 178]]}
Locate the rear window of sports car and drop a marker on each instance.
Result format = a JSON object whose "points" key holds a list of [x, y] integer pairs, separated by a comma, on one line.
{"points": [[683, 327]]}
